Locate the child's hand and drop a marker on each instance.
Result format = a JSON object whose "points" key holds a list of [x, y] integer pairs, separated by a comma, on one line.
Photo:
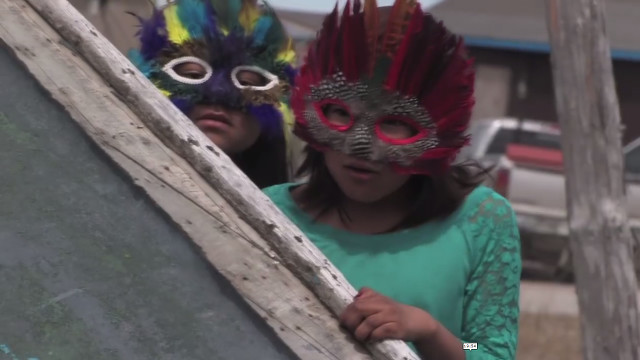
{"points": [[372, 316]]}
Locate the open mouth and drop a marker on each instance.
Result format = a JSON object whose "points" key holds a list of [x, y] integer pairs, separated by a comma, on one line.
{"points": [[361, 170]]}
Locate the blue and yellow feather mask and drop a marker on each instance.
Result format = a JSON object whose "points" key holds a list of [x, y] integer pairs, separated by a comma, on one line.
{"points": [[230, 53]]}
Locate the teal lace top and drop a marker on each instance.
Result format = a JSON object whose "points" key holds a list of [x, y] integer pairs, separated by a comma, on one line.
{"points": [[464, 271]]}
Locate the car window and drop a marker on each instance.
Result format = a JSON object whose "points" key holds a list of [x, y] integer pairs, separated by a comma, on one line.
{"points": [[505, 137], [632, 161]]}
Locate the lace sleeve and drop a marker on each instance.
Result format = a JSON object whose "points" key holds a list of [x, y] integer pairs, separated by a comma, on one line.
{"points": [[492, 293]]}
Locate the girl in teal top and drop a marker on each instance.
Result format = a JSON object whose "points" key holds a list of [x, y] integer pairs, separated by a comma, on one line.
{"points": [[384, 99]]}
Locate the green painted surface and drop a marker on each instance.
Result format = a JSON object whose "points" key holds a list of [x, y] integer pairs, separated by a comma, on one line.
{"points": [[89, 268]]}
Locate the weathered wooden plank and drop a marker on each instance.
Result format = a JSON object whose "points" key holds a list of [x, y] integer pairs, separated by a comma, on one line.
{"points": [[599, 234], [236, 250]]}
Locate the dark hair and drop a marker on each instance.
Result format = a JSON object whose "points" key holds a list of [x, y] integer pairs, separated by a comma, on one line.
{"points": [[265, 162], [435, 197]]}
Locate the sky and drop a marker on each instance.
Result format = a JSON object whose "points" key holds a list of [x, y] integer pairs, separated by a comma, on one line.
{"points": [[326, 6]]}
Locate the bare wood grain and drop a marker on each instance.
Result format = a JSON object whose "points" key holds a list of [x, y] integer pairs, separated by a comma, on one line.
{"points": [[599, 234]]}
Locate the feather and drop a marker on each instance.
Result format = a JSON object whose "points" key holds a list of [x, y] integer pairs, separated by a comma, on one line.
{"points": [[178, 33], [455, 78], [397, 23], [152, 34], [346, 58], [421, 63], [311, 71], [221, 91], [182, 104], [276, 36], [193, 16], [228, 13], [415, 56], [230, 51], [287, 54], [249, 16], [427, 62], [234, 6], [371, 22], [270, 119], [354, 51], [325, 45], [145, 66], [291, 73], [262, 28], [360, 49], [400, 58], [212, 19]]}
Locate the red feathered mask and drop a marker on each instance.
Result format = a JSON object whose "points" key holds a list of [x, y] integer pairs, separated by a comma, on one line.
{"points": [[401, 94]]}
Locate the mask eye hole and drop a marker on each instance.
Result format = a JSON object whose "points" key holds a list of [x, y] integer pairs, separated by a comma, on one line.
{"points": [[189, 70], [335, 114], [399, 129], [253, 78]]}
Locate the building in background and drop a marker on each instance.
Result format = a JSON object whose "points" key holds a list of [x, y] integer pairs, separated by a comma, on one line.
{"points": [[509, 40], [112, 18]]}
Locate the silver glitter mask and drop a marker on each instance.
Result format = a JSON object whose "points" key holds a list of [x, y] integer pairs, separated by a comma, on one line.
{"points": [[369, 107]]}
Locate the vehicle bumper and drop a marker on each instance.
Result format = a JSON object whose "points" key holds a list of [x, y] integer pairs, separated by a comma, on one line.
{"points": [[545, 245]]}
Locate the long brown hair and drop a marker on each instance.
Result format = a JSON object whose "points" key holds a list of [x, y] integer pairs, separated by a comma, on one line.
{"points": [[265, 162], [434, 197]]}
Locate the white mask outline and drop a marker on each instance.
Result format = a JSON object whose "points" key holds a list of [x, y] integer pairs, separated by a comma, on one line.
{"points": [[273, 79], [169, 69]]}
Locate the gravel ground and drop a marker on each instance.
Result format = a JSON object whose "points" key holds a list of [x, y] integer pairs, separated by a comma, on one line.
{"points": [[549, 322], [549, 337]]}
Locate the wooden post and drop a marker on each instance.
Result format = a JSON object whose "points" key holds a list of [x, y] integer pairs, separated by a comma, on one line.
{"points": [[600, 237]]}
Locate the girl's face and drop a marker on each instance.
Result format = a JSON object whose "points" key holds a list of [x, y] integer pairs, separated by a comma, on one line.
{"points": [[233, 131], [363, 181]]}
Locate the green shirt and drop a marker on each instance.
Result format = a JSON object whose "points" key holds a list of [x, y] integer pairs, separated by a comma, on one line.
{"points": [[464, 271]]}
